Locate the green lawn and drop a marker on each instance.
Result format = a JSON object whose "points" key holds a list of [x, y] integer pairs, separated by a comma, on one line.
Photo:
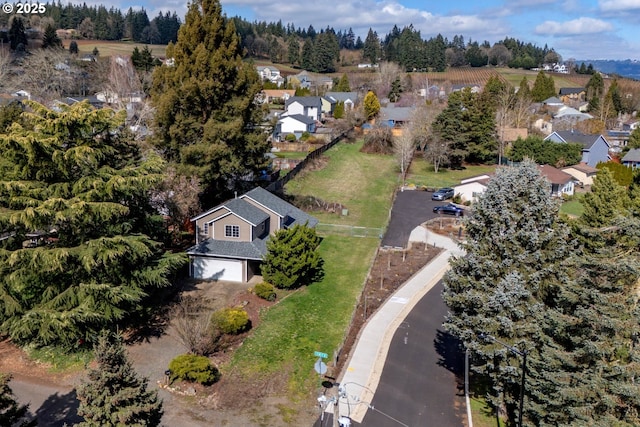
{"points": [[313, 319], [482, 414], [421, 174], [573, 207], [363, 183], [316, 317]]}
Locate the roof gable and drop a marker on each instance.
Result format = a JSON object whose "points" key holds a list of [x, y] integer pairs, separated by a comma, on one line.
{"points": [[280, 207]]}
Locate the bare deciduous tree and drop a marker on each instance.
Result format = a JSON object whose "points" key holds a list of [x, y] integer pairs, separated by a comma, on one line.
{"points": [[177, 198], [46, 74], [437, 152], [122, 84], [191, 325], [404, 147], [387, 73], [420, 126], [5, 67]]}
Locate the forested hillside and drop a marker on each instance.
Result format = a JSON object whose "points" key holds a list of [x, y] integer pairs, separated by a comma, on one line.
{"points": [[100, 23]]}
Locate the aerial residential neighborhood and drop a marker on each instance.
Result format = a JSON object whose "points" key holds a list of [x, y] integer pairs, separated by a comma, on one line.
{"points": [[208, 220]]}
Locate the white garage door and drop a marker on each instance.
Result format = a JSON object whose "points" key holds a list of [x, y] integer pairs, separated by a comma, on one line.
{"points": [[216, 269]]}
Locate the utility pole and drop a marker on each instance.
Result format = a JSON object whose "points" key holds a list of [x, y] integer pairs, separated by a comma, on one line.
{"points": [[521, 353]]}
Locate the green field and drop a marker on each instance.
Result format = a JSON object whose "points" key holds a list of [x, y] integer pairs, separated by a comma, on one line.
{"points": [[110, 48], [363, 183], [421, 174]]}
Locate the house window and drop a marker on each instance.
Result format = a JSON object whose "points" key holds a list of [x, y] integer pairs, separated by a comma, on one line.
{"points": [[205, 229], [232, 231]]}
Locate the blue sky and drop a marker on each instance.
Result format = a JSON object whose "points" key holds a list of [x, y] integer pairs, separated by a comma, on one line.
{"points": [[579, 29]]}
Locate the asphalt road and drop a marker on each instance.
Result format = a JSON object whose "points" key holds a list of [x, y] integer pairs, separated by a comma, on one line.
{"points": [[419, 386], [410, 209]]}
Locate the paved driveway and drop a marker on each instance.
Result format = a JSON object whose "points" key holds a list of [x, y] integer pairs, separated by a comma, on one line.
{"points": [[410, 209], [418, 386]]}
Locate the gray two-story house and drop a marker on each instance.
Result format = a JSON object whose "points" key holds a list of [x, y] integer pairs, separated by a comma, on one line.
{"points": [[595, 148], [231, 238]]}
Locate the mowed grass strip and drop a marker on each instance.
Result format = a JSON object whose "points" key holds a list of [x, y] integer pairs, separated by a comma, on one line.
{"points": [[363, 183], [314, 318], [110, 48], [421, 173]]}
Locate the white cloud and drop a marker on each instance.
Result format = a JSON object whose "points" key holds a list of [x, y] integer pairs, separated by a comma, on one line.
{"points": [[578, 26], [619, 5]]}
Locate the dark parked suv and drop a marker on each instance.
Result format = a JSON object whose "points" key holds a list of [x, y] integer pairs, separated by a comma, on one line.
{"points": [[449, 209], [443, 194]]}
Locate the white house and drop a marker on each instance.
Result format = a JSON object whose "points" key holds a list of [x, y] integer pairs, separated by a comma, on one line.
{"points": [[296, 124], [270, 74], [310, 106]]}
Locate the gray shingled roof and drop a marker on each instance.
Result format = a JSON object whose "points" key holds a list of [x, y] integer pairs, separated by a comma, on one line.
{"points": [[398, 114], [342, 96], [307, 101], [281, 207], [231, 249], [570, 90], [246, 211], [632, 156], [301, 118], [573, 136]]}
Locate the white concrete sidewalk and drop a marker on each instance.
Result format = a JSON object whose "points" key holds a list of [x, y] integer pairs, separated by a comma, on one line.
{"points": [[362, 374]]}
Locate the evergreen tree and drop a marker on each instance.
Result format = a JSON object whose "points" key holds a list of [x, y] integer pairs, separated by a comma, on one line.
{"points": [[293, 50], [307, 58], [371, 48], [17, 34], [12, 414], [206, 118], [543, 87], [292, 259], [50, 39], [586, 374], [513, 264], [115, 395], [604, 202], [325, 53], [75, 197], [396, 90], [523, 89], [73, 47], [343, 84], [595, 91], [371, 105]]}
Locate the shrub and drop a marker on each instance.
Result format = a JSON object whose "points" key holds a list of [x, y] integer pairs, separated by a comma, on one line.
{"points": [[265, 291], [193, 368], [231, 320], [305, 135], [290, 137]]}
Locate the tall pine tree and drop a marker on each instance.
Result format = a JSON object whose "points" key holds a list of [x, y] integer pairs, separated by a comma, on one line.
{"points": [[515, 249], [83, 250], [115, 396], [206, 117]]}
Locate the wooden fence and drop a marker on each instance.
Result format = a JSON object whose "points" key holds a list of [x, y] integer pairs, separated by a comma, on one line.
{"points": [[278, 186]]}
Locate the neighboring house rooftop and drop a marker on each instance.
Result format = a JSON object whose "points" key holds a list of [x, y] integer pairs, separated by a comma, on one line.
{"points": [[397, 114], [583, 168], [307, 101], [342, 96], [585, 140], [554, 175], [299, 117], [632, 156], [552, 101], [571, 90]]}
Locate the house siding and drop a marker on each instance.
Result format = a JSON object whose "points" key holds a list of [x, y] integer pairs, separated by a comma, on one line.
{"points": [[599, 152], [200, 234], [245, 229], [274, 219]]}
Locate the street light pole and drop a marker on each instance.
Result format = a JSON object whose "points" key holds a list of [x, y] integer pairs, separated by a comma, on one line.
{"points": [[521, 353]]}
